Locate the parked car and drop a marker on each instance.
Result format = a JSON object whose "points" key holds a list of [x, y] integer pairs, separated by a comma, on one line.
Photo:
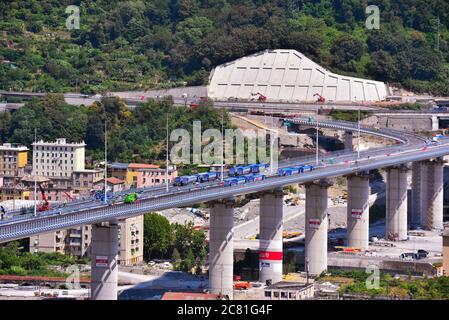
{"points": [[409, 255], [422, 253]]}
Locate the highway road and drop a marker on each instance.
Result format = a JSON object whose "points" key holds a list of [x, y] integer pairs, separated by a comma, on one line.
{"points": [[132, 99], [412, 149]]}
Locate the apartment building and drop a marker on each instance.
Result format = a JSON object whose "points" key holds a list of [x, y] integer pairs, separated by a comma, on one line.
{"points": [[85, 180], [13, 159], [131, 241], [14, 191], [77, 241], [48, 242], [58, 159], [139, 175]]}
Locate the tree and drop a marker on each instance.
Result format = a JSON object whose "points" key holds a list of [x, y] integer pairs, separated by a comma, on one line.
{"points": [[307, 42], [157, 236], [382, 66], [346, 50], [176, 257]]}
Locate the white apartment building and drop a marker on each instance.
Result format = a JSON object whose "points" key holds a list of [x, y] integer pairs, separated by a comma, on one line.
{"points": [[77, 241], [58, 159]]}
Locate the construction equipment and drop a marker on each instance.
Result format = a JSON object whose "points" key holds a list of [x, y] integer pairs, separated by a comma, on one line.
{"points": [[45, 205], [262, 98], [68, 195], [290, 234], [242, 285], [348, 249], [320, 98]]}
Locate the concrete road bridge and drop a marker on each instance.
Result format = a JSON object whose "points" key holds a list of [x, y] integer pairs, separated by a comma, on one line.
{"points": [[427, 193]]}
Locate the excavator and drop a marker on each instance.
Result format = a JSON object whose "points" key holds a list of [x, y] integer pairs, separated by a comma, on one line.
{"points": [[45, 205], [261, 98], [242, 285], [321, 99]]}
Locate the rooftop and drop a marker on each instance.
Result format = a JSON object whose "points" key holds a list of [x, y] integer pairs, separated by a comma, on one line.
{"points": [[286, 285], [88, 171], [59, 141], [119, 165], [124, 166], [13, 147], [111, 180], [142, 166], [189, 296]]}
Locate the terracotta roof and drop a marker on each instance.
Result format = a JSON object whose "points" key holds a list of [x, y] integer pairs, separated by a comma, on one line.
{"points": [[114, 180], [189, 296], [142, 166]]}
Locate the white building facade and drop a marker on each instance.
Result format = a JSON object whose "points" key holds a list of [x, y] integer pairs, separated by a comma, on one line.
{"points": [[58, 159], [288, 76]]}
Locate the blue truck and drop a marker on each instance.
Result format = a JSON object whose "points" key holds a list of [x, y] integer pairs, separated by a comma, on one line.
{"points": [[185, 180]]}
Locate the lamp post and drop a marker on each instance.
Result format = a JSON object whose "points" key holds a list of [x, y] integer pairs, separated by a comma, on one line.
{"points": [[317, 142], [222, 144], [166, 160], [35, 175], [358, 134], [105, 160]]}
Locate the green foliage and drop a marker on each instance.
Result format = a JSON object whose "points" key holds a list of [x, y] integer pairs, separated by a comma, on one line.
{"points": [[348, 115], [15, 262], [136, 135], [185, 246], [158, 236], [146, 44], [415, 288], [289, 263]]}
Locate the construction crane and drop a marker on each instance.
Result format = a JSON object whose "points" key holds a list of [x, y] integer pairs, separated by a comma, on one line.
{"points": [[45, 206], [320, 98], [262, 98], [68, 195]]}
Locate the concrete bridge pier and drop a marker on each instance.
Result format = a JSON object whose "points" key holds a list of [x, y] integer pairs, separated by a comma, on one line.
{"points": [[396, 203], [348, 140], [432, 203], [358, 210], [221, 247], [316, 227], [104, 254], [270, 239], [418, 192]]}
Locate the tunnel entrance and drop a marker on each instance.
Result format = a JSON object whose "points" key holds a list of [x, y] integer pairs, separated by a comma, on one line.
{"points": [[443, 123]]}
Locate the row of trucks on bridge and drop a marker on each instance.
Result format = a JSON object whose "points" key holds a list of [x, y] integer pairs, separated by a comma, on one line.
{"points": [[239, 175]]}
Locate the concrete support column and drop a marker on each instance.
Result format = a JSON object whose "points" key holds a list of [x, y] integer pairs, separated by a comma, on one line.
{"points": [[435, 123], [396, 226], [348, 140], [358, 211], [104, 254], [221, 248], [316, 227], [270, 239], [418, 192], [432, 203]]}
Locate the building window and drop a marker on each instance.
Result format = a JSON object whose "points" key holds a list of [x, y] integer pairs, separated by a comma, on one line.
{"points": [[268, 294]]}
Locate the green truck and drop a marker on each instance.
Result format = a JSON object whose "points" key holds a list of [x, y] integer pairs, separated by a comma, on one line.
{"points": [[130, 198]]}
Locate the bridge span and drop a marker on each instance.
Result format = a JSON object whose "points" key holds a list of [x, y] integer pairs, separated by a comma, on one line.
{"points": [[427, 159]]}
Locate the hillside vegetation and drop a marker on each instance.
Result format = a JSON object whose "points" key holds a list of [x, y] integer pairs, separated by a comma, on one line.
{"points": [[162, 43], [136, 135]]}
